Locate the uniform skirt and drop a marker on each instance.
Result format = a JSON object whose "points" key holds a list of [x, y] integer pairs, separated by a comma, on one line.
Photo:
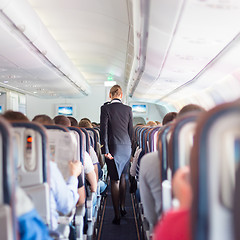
{"points": [[118, 165]]}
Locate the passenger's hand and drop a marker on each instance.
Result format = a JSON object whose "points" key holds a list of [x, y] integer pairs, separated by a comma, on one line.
{"points": [[109, 156], [182, 189], [75, 168]]}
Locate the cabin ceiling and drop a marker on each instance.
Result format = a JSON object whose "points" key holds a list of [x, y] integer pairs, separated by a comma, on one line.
{"points": [[160, 50]]}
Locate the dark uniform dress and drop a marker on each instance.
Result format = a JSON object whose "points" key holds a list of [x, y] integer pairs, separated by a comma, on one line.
{"points": [[116, 130]]}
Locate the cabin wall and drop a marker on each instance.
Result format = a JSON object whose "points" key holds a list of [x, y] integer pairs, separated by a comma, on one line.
{"points": [[84, 107]]}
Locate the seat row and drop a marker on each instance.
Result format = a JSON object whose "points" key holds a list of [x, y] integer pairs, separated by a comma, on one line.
{"points": [[209, 144], [26, 150]]}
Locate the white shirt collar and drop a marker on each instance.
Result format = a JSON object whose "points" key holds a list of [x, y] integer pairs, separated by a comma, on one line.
{"points": [[116, 100]]}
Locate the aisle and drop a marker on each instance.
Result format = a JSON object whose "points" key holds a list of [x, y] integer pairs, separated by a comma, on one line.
{"points": [[126, 230]]}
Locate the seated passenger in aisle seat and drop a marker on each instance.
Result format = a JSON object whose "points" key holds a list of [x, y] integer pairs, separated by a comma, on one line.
{"points": [[150, 187], [150, 182], [88, 166], [175, 224], [85, 123], [63, 197]]}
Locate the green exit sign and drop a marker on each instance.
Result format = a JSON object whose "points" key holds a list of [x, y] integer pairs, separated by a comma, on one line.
{"points": [[110, 78]]}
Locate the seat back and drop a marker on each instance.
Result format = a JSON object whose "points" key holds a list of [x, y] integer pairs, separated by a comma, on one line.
{"points": [[181, 141], [63, 147], [213, 164], [8, 224], [31, 142]]}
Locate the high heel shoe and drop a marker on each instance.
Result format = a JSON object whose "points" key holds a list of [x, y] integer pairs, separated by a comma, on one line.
{"points": [[116, 221], [123, 212]]}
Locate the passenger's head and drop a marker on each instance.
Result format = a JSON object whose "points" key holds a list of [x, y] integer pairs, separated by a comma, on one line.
{"points": [[115, 92], [13, 116], [94, 124], [43, 119], [87, 119], [151, 124], [182, 188], [73, 121], [190, 108], [85, 124], [169, 117], [62, 120]]}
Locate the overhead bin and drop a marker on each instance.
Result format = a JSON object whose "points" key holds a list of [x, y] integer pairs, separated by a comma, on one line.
{"points": [[22, 18]]}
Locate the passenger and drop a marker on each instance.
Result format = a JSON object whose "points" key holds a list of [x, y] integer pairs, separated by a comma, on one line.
{"points": [[190, 108], [94, 124], [85, 124], [46, 120], [74, 122], [43, 119], [116, 131], [94, 156], [151, 124], [62, 120], [30, 224], [158, 123], [169, 117], [14, 116], [175, 224], [86, 119], [150, 187], [63, 197]]}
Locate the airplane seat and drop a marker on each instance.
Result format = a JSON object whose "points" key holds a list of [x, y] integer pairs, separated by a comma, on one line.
{"points": [[236, 217], [213, 166], [90, 196], [8, 225], [163, 139], [153, 139], [32, 165], [64, 147], [180, 145], [80, 210]]}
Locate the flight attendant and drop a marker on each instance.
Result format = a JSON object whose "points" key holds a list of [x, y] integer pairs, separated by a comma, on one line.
{"points": [[116, 130]]}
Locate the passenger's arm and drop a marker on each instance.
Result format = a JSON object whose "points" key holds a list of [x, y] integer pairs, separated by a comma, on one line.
{"points": [[65, 195], [150, 187], [91, 177], [82, 196], [130, 125]]}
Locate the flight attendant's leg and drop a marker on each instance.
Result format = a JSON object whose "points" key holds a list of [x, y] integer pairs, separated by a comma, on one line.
{"points": [[122, 194], [115, 200]]}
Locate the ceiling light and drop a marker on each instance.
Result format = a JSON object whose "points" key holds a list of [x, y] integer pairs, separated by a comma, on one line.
{"points": [[109, 83]]}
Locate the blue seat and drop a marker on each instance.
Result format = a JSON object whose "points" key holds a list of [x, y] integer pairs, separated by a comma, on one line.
{"points": [[213, 170], [8, 224]]}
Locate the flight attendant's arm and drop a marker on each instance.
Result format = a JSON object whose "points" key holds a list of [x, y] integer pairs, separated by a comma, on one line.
{"points": [[104, 130], [130, 125]]}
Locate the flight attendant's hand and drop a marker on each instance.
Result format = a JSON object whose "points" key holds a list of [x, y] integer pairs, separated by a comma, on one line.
{"points": [[109, 156]]}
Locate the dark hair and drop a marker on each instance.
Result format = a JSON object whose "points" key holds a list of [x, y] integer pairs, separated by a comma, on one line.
{"points": [[14, 116], [169, 117], [73, 121], [43, 119], [116, 91], [191, 108], [62, 120]]}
